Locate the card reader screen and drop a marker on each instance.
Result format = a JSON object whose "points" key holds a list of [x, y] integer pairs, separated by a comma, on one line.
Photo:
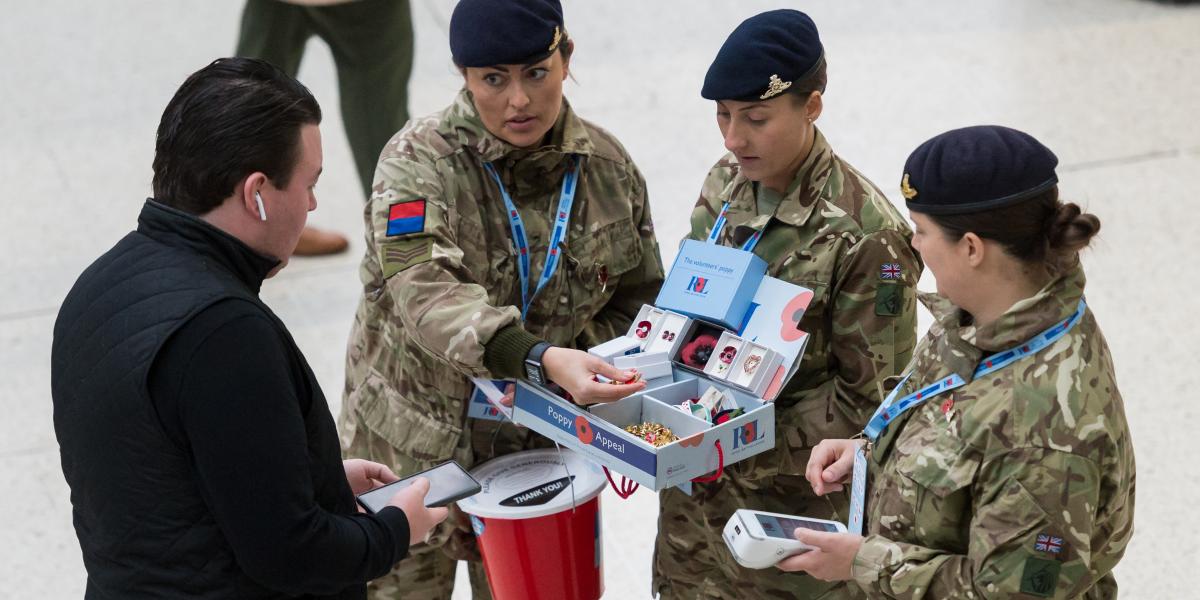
{"points": [[782, 527]]}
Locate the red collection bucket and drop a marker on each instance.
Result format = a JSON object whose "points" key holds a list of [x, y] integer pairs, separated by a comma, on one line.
{"points": [[537, 521]]}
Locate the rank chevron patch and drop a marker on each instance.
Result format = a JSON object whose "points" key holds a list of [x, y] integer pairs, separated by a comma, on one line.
{"points": [[398, 255]]}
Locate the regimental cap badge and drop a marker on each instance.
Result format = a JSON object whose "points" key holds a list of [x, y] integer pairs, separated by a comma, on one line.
{"points": [[775, 87], [907, 190], [557, 39]]}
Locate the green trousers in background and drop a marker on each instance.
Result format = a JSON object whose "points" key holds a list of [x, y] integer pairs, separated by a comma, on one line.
{"points": [[372, 45]]}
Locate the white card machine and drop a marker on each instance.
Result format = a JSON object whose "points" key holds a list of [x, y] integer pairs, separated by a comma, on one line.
{"points": [[760, 539]]}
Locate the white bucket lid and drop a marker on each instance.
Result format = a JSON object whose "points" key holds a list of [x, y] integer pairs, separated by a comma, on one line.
{"points": [[533, 483]]}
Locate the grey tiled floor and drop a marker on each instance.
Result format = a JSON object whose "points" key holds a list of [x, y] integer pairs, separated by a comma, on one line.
{"points": [[1112, 86]]}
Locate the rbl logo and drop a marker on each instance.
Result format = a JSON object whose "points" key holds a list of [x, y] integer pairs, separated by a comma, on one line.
{"points": [[747, 434], [697, 284]]}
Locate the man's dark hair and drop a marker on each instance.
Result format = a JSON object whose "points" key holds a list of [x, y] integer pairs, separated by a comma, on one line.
{"points": [[230, 119]]}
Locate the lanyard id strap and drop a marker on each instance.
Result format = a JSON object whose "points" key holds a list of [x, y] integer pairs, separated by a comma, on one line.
{"points": [[557, 236], [719, 225], [891, 408]]}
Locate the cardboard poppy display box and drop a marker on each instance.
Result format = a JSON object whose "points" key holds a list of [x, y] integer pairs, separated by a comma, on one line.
{"points": [[686, 353]]}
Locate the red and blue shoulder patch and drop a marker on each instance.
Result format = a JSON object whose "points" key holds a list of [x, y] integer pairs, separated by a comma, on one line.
{"points": [[406, 217]]}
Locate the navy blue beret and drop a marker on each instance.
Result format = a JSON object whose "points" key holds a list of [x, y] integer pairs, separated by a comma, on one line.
{"points": [[763, 56], [974, 169], [504, 32]]}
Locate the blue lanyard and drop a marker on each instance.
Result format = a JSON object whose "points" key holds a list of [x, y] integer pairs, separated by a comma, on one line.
{"points": [[891, 409], [557, 236], [719, 224]]}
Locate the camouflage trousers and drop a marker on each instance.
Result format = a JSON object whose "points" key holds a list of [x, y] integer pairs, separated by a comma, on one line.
{"points": [[691, 559], [428, 572]]}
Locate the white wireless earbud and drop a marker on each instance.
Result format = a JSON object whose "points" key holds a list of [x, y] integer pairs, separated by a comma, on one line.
{"points": [[262, 212]]}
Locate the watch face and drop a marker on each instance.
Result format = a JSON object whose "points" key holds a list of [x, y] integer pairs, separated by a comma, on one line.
{"points": [[533, 373]]}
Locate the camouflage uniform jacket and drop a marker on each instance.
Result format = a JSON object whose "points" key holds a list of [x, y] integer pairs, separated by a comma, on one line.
{"points": [[835, 233], [1018, 484], [433, 298]]}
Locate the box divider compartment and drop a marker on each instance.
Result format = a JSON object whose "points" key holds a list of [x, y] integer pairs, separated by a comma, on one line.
{"points": [[641, 408], [679, 422], [687, 386]]}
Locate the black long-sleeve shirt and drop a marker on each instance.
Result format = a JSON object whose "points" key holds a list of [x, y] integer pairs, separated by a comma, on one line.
{"points": [[224, 390]]}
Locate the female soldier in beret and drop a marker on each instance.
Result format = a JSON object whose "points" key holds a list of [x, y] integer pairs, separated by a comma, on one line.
{"points": [[1011, 473], [823, 226], [502, 221]]}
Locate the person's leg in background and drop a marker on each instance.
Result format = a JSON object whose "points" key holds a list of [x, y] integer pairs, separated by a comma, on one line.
{"points": [[372, 44], [277, 33]]}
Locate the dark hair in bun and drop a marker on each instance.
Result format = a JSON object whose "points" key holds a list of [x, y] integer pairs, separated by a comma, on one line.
{"points": [[1041, 229], [1072, 229]]}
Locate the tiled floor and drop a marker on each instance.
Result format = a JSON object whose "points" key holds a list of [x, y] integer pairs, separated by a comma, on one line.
{"points": [[1112, 86]]}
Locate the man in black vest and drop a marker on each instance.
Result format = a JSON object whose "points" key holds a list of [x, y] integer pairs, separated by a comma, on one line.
{"points": [[201, 454]]}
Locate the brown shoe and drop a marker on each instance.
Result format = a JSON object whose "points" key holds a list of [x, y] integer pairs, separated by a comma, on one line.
{"points": [[317, 242]]}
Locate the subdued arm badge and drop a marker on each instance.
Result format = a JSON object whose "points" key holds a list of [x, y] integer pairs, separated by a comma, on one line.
{"points": [[1040, 576], [400, 254], [889, 299]]}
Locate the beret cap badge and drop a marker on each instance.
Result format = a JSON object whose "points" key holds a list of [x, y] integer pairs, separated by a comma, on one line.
{"points": [[557, 39], [775, 87], [908, 191]]}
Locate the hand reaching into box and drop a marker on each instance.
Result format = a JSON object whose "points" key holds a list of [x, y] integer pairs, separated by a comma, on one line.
{"points": [[575, 371]]}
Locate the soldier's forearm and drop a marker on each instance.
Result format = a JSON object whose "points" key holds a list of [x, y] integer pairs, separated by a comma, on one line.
{"points": [[884, 568]]}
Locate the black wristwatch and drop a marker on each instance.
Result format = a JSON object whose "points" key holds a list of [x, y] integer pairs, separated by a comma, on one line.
{"points": [[533, 363]]}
